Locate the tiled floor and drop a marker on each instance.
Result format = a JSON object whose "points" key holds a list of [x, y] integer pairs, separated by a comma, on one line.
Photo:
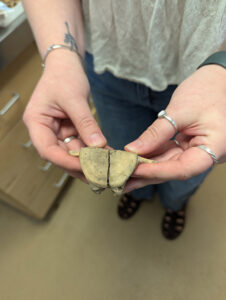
{"points": [[84, 252]]}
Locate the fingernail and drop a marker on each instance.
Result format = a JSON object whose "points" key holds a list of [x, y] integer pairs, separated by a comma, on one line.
{"points": [[134, 145], [96, 139]]}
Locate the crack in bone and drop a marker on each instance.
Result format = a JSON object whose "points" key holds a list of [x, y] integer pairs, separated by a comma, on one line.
{"points": [[104, 168]]}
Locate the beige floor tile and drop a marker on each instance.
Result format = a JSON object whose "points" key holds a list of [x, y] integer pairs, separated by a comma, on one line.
{"points": [[85, 252]]}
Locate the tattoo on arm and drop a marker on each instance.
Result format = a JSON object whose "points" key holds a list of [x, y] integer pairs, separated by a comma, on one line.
{"points": [[69, 39]]}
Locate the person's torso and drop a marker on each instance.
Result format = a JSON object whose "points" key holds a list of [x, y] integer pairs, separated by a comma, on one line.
{"points": [[156, 42]]}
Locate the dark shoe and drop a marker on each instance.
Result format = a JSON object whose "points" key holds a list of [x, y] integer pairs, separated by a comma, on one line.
{"points": [[127, 206], [173, 223]]}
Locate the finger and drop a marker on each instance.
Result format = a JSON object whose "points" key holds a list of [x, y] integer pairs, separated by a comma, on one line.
{"points": [[108, 147], [172, 147], [152, 138], [191, 162], [163, 149], [80, 114], [183, 140], [78, 175], [137, 183], [170, 153], [161, 131], [47, 146], [67, 129], [75, 144]]}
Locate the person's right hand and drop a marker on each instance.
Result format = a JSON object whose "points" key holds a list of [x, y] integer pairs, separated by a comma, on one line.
{"points": [[59, 108]]}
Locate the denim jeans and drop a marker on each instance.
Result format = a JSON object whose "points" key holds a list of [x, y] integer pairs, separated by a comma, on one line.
{"points": [[125, 109]]}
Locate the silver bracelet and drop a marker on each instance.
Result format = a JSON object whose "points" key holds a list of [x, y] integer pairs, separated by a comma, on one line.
{"points": [[58, 46]]}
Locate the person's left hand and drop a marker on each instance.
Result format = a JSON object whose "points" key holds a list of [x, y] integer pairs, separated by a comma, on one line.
{"points": [[198, 106]]}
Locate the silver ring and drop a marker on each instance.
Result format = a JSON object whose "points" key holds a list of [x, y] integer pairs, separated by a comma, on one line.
{"points": [[68, 139], [177, 143], [210, 152], [163, 114]]}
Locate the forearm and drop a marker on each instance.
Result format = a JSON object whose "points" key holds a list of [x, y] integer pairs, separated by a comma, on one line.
{"points": [[48, 21]]}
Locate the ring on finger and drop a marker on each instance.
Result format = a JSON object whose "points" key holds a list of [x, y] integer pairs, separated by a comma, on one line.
{"points": [[210, 152], [68, 139], [163, 114], [177, 143]]}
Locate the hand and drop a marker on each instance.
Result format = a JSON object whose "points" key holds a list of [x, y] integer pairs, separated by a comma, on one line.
{"points": [[198, 106], [59, 108]]}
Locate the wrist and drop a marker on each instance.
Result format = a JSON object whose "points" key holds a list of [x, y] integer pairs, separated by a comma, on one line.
{"points": [[54, 47], [61, 58], [214, 69], [212, 75]]}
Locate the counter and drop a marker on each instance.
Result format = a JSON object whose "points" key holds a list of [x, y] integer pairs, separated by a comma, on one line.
{"points": [[14, 39]]}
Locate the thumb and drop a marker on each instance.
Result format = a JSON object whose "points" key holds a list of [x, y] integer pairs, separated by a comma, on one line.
{"points": [[87, 127], [160, 132]]}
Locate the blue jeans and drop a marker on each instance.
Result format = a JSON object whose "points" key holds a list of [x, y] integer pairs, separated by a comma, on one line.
{"points": [[125, 109]]}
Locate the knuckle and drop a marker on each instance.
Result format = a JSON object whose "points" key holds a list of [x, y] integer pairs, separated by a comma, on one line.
{"points": [[153, 132], [85, 122]]}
